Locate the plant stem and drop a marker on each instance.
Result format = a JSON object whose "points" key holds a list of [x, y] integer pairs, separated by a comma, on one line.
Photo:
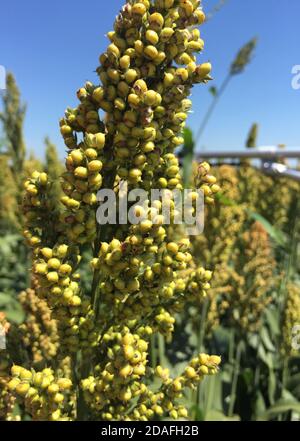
{"points": [[283, 383], [200, 347], [236, 371], [153, 351], [210, 391], [284, 374], [200, 396], [161, 348], [74, 379], [212, 107], [81, 363], [231, 346], [215, 9], [102, 235], [257, 374], [290, 262], [201, 331]]}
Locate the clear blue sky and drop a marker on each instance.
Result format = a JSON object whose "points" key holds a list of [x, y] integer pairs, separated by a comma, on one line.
{"points": [[52, 47]]}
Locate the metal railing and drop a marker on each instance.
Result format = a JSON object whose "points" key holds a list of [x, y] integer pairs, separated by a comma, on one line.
{"points": [[268, 155], [257, 153]]}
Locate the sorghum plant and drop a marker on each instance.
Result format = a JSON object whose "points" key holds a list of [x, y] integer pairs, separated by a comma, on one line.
{"points": [[8, 196], [239, 64], [54, 168], [271, 197], [218, 246], [138, 271], [13, 165], [252, 136], [12, 155], [12, 119], [251, 280], [291, 318]]}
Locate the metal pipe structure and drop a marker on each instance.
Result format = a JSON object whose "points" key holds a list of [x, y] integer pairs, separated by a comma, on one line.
{"points": [[275, 169], [268, 155], [251, 154]]}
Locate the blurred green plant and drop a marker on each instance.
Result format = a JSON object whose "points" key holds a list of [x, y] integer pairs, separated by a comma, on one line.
{"points": [[252, 136], [54, 169], [241, 61], [14, 256], [13, 275], [12, 118], [187, 155], [258, 381], [215, 9]]}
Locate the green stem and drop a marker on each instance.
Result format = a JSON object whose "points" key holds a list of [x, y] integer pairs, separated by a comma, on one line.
{"points": [[199, 398], [153, 351], [284, 375], [101, 236], [210, 391], [75, 382], [161, 348], [283, 383], [212, 107], [231, 346], [81, 364], [201, 332], [290, 262], [236, 371], [215, 9], [80, 369], [257, 373]]}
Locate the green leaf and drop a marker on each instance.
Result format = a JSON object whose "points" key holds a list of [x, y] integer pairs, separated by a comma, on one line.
{"points": [[253, 340], [188, 156], [187, 169], [189, 144], [5, 299], [209, 390], [218, 388], [15, 315], [272, 317], [197, 412], [224, 200], [248, 376], [277, 235], [272, 383], [266, 339], [260, 405], [213, 90], [265, 356], [216, 415], [294, 382], [226, 373], [280, 407], [288, 396]]}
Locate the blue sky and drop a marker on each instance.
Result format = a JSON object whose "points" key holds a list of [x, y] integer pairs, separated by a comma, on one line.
{"points": [[53, 47]]}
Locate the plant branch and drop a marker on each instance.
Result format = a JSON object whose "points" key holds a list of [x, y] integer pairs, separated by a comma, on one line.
{"points": [[236, 372], [212, 107]]}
